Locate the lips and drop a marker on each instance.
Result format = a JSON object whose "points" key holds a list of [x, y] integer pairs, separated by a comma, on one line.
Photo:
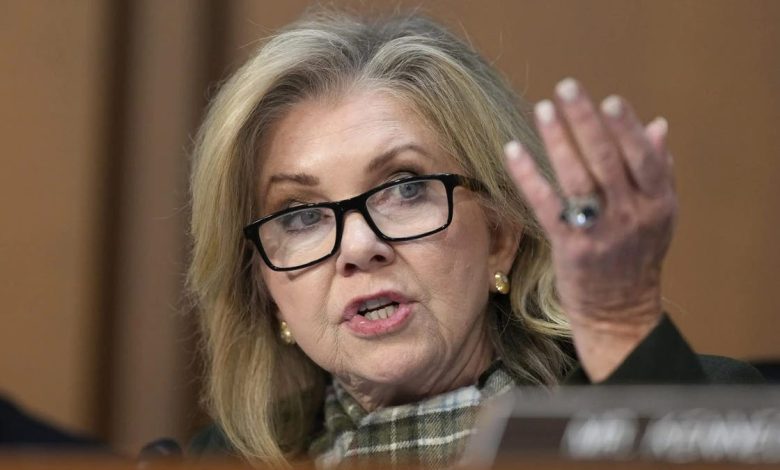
{"points": [[366, 305], [377, 314]]}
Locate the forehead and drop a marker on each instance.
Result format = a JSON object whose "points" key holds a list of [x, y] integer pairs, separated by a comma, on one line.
{"points": [[333, 137]]}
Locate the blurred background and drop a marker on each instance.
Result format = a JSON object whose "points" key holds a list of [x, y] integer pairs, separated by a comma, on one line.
{"points": [[99, 101]]}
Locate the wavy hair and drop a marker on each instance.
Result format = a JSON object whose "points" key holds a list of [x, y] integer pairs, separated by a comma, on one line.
{"points": [[264, 395]]}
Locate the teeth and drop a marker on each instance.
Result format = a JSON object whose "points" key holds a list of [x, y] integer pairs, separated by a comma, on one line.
{"points": [[382, 313], [374, 303]]}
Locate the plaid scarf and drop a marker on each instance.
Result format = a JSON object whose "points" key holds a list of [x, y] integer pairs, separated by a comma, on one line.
{"points": [[430, 433]]}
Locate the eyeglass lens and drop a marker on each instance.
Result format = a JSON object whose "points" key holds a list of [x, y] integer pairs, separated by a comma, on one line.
{"points": [[406, 209]]}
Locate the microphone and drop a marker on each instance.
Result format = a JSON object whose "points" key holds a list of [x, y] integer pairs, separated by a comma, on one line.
{"points": [[159, 449]]}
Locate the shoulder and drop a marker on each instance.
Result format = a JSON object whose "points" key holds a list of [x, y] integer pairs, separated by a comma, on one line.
{"points": [[664, 357], [724, 370], [209, 441]]}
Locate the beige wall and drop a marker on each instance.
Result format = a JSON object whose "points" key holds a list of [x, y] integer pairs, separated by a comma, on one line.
{"points": [[52, 95], [99, 100]]}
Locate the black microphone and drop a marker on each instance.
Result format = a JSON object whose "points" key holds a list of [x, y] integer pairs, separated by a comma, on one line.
{"points": [[159, 449]]}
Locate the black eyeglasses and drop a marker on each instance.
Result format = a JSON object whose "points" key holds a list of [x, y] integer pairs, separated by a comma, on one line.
{"points": [[399, 210]]}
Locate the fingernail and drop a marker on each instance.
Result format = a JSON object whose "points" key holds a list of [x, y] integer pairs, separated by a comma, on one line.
{"points": [[612, 106], [545, 111], [567, 89], [513, 150], [661, 125], [657, 128]]}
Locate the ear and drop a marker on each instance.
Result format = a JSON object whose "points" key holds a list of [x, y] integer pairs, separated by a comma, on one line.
{"points": [[274, 309], [504, 242]]}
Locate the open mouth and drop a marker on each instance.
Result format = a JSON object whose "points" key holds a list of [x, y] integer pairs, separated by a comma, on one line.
{"points": [[378, 315], [378, 309]]}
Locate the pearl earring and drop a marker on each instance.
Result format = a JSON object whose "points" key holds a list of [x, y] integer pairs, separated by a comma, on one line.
{"points": [[285, 333], [502, 282]]}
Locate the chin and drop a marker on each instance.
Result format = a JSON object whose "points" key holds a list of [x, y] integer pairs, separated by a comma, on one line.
{"points": [[396, 368]]}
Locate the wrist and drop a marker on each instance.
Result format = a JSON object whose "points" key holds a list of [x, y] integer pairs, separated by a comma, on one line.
{"points": [[604, 338], [618, 318]]}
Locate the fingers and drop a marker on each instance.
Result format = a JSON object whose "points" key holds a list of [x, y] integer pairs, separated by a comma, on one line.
{"points": [[603, 151], [596, 145], [644, 152], [573, 177], [539, 193], [606, 150], [657, 133]]}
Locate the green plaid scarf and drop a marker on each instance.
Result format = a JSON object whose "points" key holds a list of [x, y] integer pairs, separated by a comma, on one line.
{"points": [[430, 433]]}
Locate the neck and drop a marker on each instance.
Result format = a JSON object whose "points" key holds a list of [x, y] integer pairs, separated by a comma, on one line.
{"points": [[473, 358]]}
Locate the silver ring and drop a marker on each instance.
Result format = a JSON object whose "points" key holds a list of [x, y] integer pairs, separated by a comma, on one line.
{"points": [[581, 212]]}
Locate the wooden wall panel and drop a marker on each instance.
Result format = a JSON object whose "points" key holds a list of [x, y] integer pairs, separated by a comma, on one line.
{"points": [[167, 61], [52, 119]]}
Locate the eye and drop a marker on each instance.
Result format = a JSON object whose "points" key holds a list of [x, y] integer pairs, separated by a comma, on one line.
{"points": [[301, 220], [410, 190]]}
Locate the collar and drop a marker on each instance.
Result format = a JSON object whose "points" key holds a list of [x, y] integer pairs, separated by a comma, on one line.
{"points": [[432, 431]]}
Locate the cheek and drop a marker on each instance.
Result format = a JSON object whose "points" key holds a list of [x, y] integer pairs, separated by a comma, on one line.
{"points": [[458, 268], [468, 241], [300, 298]]}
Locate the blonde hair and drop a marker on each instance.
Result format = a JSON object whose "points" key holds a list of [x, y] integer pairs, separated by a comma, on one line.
{"points": [[474, 112]]}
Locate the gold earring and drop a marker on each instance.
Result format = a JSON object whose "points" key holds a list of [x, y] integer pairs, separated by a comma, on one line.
{"points": [[285, 333], [502, 282]]}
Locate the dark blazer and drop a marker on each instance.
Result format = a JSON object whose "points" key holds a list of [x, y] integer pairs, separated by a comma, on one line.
{"points": [[20, 430], [664, 357]]}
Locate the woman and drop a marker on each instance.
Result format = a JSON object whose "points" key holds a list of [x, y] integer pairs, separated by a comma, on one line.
{"points": [[395, 270]]}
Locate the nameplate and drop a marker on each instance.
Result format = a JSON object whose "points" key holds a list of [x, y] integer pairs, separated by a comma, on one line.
{"points": [[676, 424]]}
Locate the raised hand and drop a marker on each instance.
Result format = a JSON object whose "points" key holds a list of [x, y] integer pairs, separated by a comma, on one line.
{"points": [[615, 183]]}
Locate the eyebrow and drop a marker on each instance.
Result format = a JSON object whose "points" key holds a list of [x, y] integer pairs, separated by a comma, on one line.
{"points": [[305, 179], [382, 159], [300, 178]]}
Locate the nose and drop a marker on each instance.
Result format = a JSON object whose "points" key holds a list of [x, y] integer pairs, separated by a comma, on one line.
{"points": [[361, 249]]}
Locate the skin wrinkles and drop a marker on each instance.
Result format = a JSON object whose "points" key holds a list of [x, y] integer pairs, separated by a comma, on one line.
{"points": [[303, 179], [388, 126], [444, 344]]}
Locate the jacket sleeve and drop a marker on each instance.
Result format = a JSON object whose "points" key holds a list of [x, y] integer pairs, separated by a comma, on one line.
{"points": [[664, 357]]}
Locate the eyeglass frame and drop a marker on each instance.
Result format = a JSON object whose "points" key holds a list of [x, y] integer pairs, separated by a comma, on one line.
{"points": [[358, 203]]}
